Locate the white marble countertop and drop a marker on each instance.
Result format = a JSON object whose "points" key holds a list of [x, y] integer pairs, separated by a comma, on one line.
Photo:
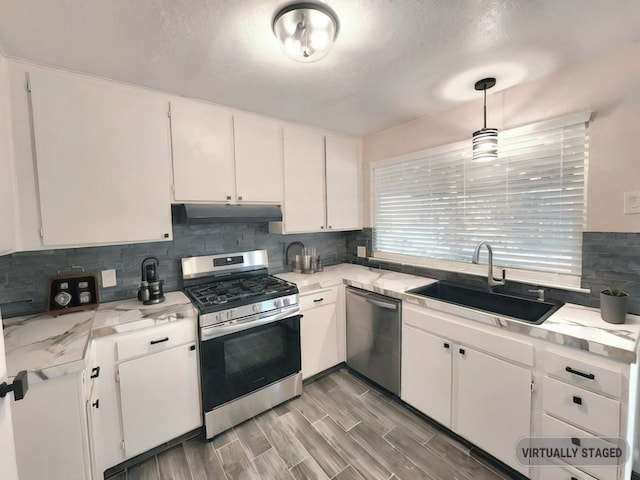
{"points": [[572, 325], [48, 347]]}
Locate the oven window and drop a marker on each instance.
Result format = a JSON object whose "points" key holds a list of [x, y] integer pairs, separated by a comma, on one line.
{"points": [[254, 350], [242, 362]]}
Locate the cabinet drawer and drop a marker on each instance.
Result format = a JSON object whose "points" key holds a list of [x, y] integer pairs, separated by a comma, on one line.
{"points": [[155, 339], [562, 473], [588, 410], [552, 427], [583, 374], [318, 298]]}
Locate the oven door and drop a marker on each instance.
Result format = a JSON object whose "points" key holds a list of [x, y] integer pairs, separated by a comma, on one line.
{"points": [[242, 362]]}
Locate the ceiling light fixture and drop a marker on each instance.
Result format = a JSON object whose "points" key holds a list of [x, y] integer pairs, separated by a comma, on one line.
{"points": [[485, 140], [306, 31]]}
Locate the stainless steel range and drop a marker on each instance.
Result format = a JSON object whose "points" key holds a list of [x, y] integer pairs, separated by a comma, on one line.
{"points": [[249, 336]]}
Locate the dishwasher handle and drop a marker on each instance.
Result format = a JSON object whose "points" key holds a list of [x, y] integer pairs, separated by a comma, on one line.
{"points": [[375, 300]]}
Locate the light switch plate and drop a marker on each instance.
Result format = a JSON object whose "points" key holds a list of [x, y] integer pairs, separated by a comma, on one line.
{"points": [[631, 202], [109, 278], [362, 252]]}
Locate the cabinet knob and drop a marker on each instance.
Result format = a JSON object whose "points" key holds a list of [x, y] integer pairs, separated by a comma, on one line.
{"points": [[330, 226], [228, 197], [575, 441], [239, 198], [19, 386], [446, 345], [322, 227], [461, 350], [577, 400]]}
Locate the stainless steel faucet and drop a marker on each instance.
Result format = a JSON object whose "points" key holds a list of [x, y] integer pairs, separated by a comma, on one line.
{"points": [[492, 282], [286, 252]]}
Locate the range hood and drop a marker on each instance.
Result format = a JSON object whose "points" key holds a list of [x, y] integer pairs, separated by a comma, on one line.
{"points": [[196, 213]]}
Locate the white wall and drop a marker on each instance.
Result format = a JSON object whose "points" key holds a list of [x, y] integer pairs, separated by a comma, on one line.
{"points": [[8, 210], [608, 85]]}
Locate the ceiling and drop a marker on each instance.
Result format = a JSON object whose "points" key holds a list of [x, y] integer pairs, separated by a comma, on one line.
{"points": [[393, 61]]}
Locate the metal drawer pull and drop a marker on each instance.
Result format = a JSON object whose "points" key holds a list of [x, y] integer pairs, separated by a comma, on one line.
{"points": [[590, 376], [575, 478], [575, 441], [577, 400], [316, 300], [165, 339]]}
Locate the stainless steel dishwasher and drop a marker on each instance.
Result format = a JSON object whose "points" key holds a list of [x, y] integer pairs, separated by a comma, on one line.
{"points": [[373, 337]]}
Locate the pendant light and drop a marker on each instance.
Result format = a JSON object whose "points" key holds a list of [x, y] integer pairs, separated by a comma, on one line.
{"points": [[306, 31], [485, 140]]}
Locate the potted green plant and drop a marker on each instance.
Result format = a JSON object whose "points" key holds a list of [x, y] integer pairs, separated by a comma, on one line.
{"points": [[613, 303]]}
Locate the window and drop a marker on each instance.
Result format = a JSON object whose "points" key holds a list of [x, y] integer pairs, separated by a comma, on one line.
{"points": [[433, 207]]}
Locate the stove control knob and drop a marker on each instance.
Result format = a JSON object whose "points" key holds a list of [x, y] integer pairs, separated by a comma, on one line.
{"points": [[256, 308], [278, 303], [286, 301]]}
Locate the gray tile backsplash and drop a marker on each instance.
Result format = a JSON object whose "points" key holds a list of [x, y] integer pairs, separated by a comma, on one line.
{"points": [[24, 276], [607, 258]]}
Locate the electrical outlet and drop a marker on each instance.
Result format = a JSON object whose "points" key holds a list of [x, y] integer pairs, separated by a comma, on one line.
{"points": [[631, 202], [109, 278], [362, 252]]}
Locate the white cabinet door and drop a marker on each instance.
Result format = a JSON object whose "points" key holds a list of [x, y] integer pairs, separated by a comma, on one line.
{"points": [[8, 204], [102, 155], [159, 397], [50, 431], [8, 465], [426, 373], [304, 203], [492, 403], [202, 143], [343, 183], [258, 153], [319, 339]]}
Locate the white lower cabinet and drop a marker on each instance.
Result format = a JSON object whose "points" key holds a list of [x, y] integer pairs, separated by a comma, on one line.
{"points": [[50, 430], [149, 389], [485, 399], [319, 331], [159, 398]]}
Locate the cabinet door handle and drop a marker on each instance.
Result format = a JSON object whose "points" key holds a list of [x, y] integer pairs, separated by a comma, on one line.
{"points": [[165, 339], [96, 404], [575, 441], [446, 345], [590, 376], [318, 300], [95, 372], [461, 350], [577, 400]]}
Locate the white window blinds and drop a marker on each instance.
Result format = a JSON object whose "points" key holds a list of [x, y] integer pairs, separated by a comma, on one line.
{"points": [[529, 203]]}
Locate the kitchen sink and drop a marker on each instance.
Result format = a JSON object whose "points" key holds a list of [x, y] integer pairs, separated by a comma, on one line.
{"points": [[524, 309]]}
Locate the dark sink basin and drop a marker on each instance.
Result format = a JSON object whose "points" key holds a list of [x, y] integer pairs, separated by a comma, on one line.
{"points": [[523, 309]]}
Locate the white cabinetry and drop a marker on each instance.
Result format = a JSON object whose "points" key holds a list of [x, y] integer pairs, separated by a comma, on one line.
{"points": [[224, 157], [583, 401], [52, 443], [149, 388], [103, 157], [321, 182], [473, 391], [8, 204], [258, 153], [202, 143], [319, 331]]}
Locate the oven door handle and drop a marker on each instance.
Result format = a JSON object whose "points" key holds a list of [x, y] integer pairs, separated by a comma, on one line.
{"points": [[227, 328]]}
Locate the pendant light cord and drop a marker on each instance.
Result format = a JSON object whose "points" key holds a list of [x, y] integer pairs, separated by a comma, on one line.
{"points": [[485, 106]]}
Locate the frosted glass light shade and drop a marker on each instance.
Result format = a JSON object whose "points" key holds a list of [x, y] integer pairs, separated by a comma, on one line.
{"points": [[306, 31]]}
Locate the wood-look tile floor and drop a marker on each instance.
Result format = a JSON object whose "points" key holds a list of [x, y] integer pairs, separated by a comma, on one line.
{"points": [[340, 428]]}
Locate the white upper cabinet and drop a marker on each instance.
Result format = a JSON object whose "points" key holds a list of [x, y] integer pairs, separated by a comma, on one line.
{"points": [[202, 143], [304, 209], [258, 153], [321, 182], [103, 157], [8, 204], [343, 186]]}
